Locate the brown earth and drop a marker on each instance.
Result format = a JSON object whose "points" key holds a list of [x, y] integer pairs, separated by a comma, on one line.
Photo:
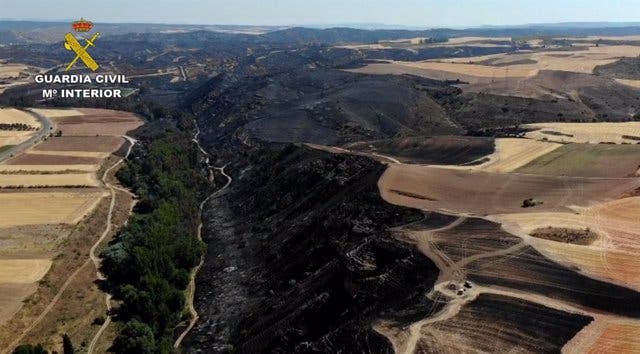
{"points": [[486, 193], [66, 300], [97, 122], [74, 143], [41, 159], [97, 129], [82, 302]]}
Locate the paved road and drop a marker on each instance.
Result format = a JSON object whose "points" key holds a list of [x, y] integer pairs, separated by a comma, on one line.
{"points": [[46, 129]]}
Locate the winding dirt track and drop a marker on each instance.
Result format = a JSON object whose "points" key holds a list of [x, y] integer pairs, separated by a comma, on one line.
{"points": [[405, 340], [192, 280], [92, 257], [92, 253]]}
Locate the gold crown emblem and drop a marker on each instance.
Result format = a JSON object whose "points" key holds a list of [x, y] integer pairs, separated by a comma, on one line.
{"points": [[82, 25]]}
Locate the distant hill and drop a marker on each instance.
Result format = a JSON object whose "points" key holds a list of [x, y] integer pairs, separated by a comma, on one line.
{"points": [[340, 35], [27, 32]]}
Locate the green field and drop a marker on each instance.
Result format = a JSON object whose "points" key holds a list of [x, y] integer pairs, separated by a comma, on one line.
{"points": [[4, 148], [587, 160]]}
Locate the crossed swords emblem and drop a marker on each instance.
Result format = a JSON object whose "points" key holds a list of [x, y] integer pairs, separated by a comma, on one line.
{"points": [[71, 43]]}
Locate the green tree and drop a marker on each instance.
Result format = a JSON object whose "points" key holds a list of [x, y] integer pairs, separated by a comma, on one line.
{"points": [[30, 349], [135, 338]]}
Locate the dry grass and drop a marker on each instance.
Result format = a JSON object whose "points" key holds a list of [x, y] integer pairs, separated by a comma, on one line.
{"points": [[587, 160], [579, 60], [474, 69], [105, 144], [462, 40], [23, 270], [12, 115], [617, 338], [36, 158], [48, 222], [57, 113], [12, 140], [82, 301], [613, 257], [93, 122], [592, 133], [11, 70], [99, 155], [17, 282], [486, 193], [11, 297], [631, 83], [482, 71], [27, 169], [511, 154], [606, 38], [98, 129], [46, 208], [49, 180], [408, 43]]}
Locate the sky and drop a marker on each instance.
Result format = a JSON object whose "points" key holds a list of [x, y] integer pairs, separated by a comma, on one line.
{"points": [[423, 13]]}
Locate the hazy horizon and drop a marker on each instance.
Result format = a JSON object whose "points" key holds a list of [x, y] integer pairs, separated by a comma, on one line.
{"points": [[405, 13]]}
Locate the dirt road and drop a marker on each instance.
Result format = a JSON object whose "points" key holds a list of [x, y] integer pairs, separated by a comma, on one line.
{"points": [[452, 288], [192, 280], [92, 257], [92, 253]]}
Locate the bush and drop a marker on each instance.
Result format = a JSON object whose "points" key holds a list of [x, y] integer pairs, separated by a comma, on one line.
{"points": [[30, 349], [135, 338]]}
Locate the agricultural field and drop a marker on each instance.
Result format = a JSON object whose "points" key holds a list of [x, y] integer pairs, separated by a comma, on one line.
{"points": [[510, 154], [45, 192], [421, 42], [75, 180], [95, 122], [430, 150], [15, 74], [486, 193], [587, 160], [9, 116], [38, 158], [18, 279], [534, 73], [9, 71], [570, 249], [12, 115], [592, 133], [99, 144]]}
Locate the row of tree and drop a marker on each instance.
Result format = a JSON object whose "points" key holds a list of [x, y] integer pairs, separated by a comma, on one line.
{"points": [[148, 264]]}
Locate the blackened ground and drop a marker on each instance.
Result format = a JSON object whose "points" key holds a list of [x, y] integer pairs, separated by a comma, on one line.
{"points": [[431, 150], [300, 258], [528, 270], [312, 103], [625, 68], [499, 324]]}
